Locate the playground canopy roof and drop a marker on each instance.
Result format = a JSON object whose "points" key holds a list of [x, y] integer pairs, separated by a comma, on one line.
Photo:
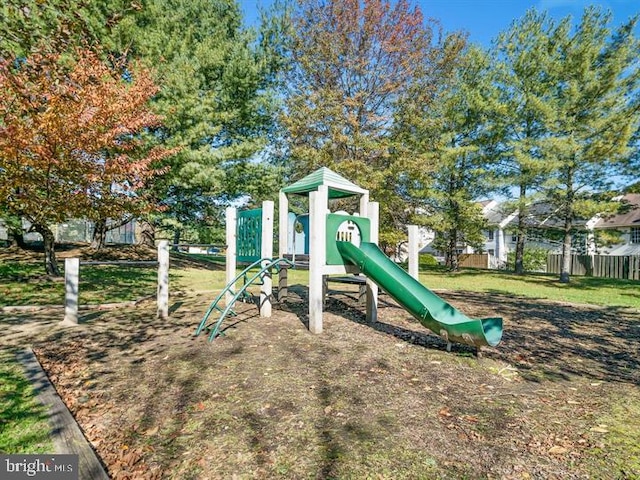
{"points": [[338, 186]]}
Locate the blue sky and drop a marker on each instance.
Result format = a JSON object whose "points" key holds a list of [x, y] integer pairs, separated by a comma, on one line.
{"points": [[484, 19]]}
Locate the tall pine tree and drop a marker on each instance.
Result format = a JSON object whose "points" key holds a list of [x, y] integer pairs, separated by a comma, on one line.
{"points": [[522, 67], [463, 155], [215, 100], [596, 76]]}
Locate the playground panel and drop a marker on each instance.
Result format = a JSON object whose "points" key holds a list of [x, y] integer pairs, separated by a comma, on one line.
{"points": [[248, 237], [336, 231]]}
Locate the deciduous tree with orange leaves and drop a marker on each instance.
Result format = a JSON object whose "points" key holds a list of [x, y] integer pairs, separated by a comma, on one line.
{"points": [[361, 72], [72, 141]]}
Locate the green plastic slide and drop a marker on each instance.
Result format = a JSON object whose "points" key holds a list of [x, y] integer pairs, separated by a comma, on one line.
{"points": [[433, 312]]}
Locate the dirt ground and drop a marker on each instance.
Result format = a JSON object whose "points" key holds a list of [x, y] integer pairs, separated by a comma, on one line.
{"points": [[384, 400]]}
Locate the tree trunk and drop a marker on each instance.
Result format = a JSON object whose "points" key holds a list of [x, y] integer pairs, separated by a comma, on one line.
{"points": [[567, 208], [520, 241], [99, 237], [16, 238], [565, 271], [147, 234], [452, 251], [521, 232], [50, 261], [177, 233], [15, 232]]}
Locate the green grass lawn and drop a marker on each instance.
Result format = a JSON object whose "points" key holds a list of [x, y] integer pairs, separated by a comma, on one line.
{"points": [[200, 280], [24, 283], [586, 290], [23, 420]]}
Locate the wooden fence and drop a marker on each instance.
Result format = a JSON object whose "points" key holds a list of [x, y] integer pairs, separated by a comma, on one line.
{"points": [[473, 260], [608, 266]]}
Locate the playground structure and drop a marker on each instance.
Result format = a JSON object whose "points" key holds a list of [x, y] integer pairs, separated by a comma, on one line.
{"points": [[325, 228], [334, 244]]}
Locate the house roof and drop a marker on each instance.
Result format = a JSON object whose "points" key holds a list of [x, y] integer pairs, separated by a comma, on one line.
{"points": [[628, 217], [338, 186], [495, 213], [626, 249], [545, 215]]}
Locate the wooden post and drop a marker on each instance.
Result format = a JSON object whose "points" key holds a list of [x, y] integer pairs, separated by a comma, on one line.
{"points": [[325, 289], [163, 279], [413, 251], [500, 252], [231, 219], [283, 243], [71, 289], [364, 205], [318, 203], [372, 289], [267, 252], [362, 294]]}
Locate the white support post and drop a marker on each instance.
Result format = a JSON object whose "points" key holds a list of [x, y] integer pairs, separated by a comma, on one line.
{"points": [[163, 279], [267, 252], [372, 289], [499, 248], [413, 251], [364, 205], [71, 283], [231, 219], [318, 203], [283, 240]]}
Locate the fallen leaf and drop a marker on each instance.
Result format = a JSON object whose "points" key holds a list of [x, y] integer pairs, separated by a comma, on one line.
{"points": [[445, 412], [131, 458], [557, 450], [599, 429]]}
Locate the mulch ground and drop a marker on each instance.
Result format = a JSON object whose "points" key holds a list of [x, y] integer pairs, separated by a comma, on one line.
{"points": [[271, 400]]}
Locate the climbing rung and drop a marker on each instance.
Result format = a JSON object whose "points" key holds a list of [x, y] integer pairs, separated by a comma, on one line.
{"points": [[240, 295]]}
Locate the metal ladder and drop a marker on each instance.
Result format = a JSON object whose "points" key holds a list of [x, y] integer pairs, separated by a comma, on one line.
{"points": [[242, 294]]}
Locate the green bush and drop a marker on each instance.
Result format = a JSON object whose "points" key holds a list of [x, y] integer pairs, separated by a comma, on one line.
{"points": [[535, 259], [426, 260]]}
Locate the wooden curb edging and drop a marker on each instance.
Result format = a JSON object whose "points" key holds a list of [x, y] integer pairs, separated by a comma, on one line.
{"points": [[66, 434]]}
